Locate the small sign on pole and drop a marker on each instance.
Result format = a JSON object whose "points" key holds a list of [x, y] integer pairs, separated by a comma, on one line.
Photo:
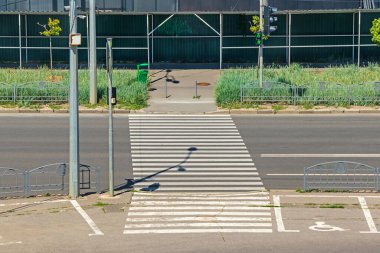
{"points": [[75, 39]]}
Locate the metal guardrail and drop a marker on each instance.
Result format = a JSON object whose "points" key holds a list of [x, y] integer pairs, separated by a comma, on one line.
{"points": [[50, 178], [41, 92], [321, 93], [341, 175]]}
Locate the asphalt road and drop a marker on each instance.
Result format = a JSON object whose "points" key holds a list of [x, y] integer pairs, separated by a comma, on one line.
{"points": [[28, 141], [306, 134]]}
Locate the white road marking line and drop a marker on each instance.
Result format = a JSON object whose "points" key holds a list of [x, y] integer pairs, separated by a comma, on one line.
{"points": [[198, 183], [237, 140], [326, 196], [183, 127], [177, 116], [368, 217], [10, 243], [186, 147], [190, 174], [213, 177], [135, 207], [278, 214], [186, 152], [201, 213], [180, 124], [32, 203], [183, 134], [206, 218], [193, 155], [320, 155], [319, 175], [135, 122], [211, 188], [87, 218], [198, 198], [184, 137], [169, 225], [211, 195], [190, 169], [138, 160], [223, 203], [189, 231], [186, 164]]}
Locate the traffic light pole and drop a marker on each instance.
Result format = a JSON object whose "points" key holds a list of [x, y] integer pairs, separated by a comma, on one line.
{"points": [[92, 37], [261, 49], [74, 119]]}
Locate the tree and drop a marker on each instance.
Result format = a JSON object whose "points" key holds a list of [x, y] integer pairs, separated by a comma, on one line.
{"points": [[255, 26], [54, 30], [375, 31]]}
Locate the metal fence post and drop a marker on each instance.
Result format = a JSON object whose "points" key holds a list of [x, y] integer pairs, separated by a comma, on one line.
{"points": [[14, 93], [377, 180], [305, 179], [241, 94], [26, 183]]}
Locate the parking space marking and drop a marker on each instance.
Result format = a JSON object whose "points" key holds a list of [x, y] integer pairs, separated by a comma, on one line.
{"points": [[278, 214], [87, 218], [368, 217]]}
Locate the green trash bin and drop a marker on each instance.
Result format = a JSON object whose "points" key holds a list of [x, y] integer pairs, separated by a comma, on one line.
{"points": [[142, 72]]}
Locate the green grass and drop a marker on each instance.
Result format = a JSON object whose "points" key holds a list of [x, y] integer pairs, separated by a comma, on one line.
{"points": [[228, 86], [130, 93], [337, 205], [101, 204]]}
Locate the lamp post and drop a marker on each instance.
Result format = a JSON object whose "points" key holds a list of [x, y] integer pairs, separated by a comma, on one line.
{"points": [[74, 118]]}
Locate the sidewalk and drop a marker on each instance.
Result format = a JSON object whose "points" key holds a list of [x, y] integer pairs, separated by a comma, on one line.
{"points": [[181, 92]]}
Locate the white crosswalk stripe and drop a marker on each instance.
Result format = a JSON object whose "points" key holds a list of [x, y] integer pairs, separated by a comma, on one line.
{"points": [[196, 176]]}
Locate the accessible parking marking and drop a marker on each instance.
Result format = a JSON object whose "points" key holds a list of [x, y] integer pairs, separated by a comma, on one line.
{"points": [[321, 226]]}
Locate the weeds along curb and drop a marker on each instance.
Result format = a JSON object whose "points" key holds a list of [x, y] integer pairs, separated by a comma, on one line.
{"points": [[294, 112]]}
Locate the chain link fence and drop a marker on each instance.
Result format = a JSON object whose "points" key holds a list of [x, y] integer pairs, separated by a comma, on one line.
{"points": [[320, 93], [34, 92]]}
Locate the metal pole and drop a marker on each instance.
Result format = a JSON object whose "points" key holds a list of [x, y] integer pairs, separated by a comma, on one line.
{"points": [[19, 39], [74, 119], [166, 88], [152, 41], [196, 89], [261, 58], [221, 41], [353, 38], [147, 38], [93, 67], [359, 35], [290, 39], [26, 38], [110, 118]]}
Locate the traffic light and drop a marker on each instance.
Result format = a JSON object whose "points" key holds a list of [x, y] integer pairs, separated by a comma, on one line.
{"points": [[259, 38], [269, 19]]}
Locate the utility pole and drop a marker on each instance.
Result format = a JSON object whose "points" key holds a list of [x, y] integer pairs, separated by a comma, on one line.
{"points": [[93, 67], [109, 59], [74, 119]]}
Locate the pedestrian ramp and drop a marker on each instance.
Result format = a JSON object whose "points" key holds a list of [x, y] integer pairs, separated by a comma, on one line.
{"points": [[190, 153], [176, 213]]}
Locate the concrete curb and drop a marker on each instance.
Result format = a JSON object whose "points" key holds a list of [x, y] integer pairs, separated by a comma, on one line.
{"points": [[221, 111]]}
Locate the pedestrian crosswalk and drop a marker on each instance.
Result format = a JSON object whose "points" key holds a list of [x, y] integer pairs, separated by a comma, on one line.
{"points": [[190, 153], [195, 175], [167, 213]]}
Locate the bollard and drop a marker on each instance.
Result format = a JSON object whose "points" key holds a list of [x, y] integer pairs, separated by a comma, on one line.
{"points": [[196, 88], [166, 88]]}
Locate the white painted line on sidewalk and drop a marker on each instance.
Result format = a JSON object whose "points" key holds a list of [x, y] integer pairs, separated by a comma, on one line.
{"points": [[189, 231], [191, 173], [10, 243], [318, 175], [191, 169], [278, 214], [185, 137], [164, 141], [210, 203], [326, 196], [206, 218], [87, 218], [368, 217], [219, 208], [205, 198], [186, 164], [186, 147], [186, 152], [320, 155], [32, 203], [206, 127], [162, 178], [201, 213], [168, 225]]}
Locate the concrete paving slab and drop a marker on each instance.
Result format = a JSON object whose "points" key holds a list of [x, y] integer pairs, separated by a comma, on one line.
{"points": [[181, 94]]}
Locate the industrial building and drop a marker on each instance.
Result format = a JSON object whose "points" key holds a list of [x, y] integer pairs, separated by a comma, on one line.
{"points": [[212, 33]]}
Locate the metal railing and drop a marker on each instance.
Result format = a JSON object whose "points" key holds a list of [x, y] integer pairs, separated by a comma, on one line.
{"points": [[41, 92], [320, 93], [341, 175], [50, 178]]}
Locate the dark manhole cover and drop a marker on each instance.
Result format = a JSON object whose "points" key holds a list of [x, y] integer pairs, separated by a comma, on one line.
{"points": [[203, 84]]}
